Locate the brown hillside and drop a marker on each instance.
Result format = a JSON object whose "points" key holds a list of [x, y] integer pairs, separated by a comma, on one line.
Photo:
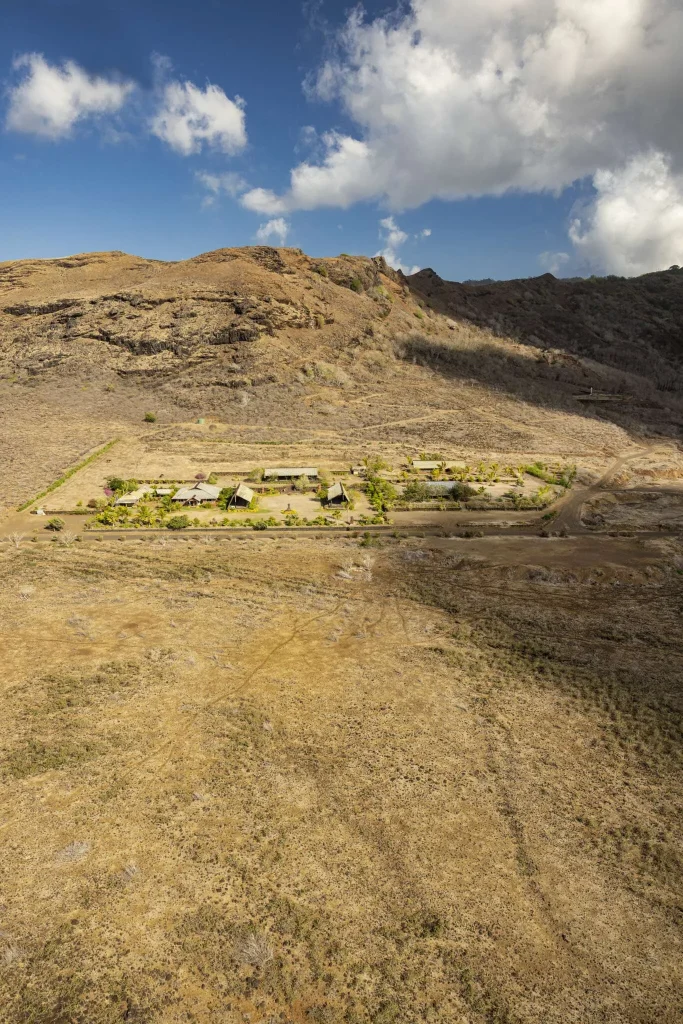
{"points": [[203, 317], [344, 352], [634, 324], [423, 766]]}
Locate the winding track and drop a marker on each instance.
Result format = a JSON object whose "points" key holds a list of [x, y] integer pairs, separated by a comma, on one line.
{"points": [[569, 517]]}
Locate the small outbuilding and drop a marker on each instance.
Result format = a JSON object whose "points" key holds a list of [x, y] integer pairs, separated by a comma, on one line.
{"points": [[439, 487], [132, 497], [242, 497], [163, 492], [197, 495], [425, 466], [337, 495], [290, 473]]}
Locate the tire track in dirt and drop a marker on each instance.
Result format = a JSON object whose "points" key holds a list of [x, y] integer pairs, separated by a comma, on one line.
{"points": [[501, 762], [569, 517], [297, 632]]}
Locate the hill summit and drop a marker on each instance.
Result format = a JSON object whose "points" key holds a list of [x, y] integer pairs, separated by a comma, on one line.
{"points": [[343, 347]]}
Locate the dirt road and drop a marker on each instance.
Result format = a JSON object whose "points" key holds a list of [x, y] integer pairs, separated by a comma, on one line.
{"points": [[569, 517]]}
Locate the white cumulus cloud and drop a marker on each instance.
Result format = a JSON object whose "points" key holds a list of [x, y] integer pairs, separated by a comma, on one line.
{"points": [[188, 118], [451, 100], [50, 99], [425, 233], [229, 183], [635, 223], [262, 200], [393, 237], [277, 228], [339, 181], [553, 261]]}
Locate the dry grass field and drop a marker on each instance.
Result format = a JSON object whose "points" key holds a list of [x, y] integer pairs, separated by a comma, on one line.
{"points": [[311, 781], [312, 778]]}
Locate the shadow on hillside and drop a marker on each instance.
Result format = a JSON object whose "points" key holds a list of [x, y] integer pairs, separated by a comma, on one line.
{"points": [[553, 382], [627, 324]]}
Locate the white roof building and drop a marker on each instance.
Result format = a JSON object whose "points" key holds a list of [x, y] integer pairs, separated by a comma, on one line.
{"points": [[439, 486], [133, 496], [198, 493], [288, 474]]}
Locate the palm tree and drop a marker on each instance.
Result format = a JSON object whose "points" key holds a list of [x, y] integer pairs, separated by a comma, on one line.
{"points": [[145, 515]]}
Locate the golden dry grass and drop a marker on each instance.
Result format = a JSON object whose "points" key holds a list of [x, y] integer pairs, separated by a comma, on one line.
{"points": [[327, 780], [306, 781]]}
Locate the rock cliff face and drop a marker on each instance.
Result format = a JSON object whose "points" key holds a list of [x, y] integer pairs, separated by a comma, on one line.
{"points": [[239, 316], [635, 324], [110, 311]]}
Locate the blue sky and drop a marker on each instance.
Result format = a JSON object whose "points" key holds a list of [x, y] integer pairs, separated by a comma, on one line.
{"points": [[391, 121]]}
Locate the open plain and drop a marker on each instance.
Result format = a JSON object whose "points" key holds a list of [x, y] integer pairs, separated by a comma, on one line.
{"points": [[427, 770]]}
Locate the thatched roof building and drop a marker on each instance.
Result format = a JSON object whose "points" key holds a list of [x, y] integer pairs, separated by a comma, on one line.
{"points": [[337, 494], [242, 496]]}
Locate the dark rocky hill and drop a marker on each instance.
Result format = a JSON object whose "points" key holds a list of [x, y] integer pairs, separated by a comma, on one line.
{"points": [[632, 324]]}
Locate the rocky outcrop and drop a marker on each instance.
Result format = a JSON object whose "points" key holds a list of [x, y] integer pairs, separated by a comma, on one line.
{"points": [[40, 309], [632, 324]]}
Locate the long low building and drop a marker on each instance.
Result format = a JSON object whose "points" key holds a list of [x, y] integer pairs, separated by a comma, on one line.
{"points": [[290, 474], [427, 466], [436, 487]]}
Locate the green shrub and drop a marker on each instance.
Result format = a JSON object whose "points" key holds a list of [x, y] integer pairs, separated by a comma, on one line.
{"points": [[225, 496], [381, 493], [374, 463], [55, 524], [260, 525], [145, 515], [120, 486], [212, 478], [416, 490], [322, 270], [356, 285], [301, 483], [561, 477], [106, 518], [150, 417], [178, 523], [462, 491], [370, 540]]}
